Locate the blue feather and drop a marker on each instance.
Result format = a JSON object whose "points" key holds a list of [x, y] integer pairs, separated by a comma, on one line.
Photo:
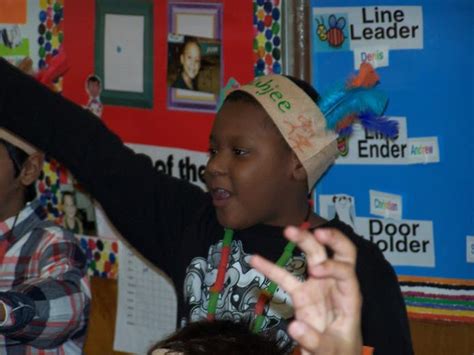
{"points": [[353, 101], [331, 97], [383, 125], [345, 132]]}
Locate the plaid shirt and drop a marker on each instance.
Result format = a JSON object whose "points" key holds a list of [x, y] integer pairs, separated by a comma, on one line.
{"points": [[43, 287]]}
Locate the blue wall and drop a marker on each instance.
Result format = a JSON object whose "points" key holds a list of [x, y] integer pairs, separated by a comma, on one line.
{"points": [[433, 88]]}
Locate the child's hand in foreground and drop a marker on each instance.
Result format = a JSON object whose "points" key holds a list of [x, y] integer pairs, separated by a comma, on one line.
{"points": [[328, 303]]}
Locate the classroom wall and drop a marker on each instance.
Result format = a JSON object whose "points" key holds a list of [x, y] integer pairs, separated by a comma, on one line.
{"points": [[162, 127], [426, 230], [427, 83], [156, 126], [159, 126]]}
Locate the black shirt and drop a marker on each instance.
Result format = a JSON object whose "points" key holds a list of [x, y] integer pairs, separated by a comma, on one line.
{"points": [[179, 83]]}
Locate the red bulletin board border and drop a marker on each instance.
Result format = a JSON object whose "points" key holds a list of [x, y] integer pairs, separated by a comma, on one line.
{"points": [[157, 126]]}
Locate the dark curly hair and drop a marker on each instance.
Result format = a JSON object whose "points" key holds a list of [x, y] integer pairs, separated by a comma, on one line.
{"points": [[221, 337]]}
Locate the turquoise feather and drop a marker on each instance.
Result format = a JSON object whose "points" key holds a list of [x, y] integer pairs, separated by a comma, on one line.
{"points": [[342, 103], [332, 96]]}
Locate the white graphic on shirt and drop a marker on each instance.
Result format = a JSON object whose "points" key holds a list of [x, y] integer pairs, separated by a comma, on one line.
{"points": [[242, 286]]}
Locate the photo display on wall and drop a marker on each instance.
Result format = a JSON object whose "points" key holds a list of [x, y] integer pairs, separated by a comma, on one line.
{"points": [[194, 72]]}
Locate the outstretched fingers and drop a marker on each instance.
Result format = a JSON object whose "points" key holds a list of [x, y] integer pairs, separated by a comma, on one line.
{"points": [[315, 254], [345, 282], [344, 250], [341, 269], [275, 273], [314, 250]]}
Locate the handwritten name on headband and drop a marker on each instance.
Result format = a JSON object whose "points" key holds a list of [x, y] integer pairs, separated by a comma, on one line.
{"points": [[266, 88]]}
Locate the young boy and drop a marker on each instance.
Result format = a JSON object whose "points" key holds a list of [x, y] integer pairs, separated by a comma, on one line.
{"points": [[44, 290], [263, 162], [93, 89]]}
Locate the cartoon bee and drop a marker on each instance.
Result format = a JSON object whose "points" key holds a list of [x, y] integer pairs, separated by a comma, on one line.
{"points": [[334, 35], [321, 30]]}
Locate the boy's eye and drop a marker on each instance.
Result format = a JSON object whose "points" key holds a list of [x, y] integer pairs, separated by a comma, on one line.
{"points": [[211, 151], [240, 151]]}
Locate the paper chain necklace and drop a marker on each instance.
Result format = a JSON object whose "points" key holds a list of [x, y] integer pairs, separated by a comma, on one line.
{"points": [[266, 294]]}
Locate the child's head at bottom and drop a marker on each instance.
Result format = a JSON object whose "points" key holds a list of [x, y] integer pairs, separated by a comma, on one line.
{"points": [[268, 146], [219, 337]]}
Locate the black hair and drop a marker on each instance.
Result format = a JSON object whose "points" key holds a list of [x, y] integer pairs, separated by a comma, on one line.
{"points": [[221, 337], [69, 193], [189, 40], [18, 157], [306, 87], [93, 79]]}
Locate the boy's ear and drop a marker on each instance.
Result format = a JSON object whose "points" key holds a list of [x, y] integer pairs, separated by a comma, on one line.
{"points": [[31, 169], [299, 172]]}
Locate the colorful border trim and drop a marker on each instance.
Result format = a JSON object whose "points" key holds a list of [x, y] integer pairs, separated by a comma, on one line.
{"points": [[50, 30], [102, 256], [267, 40], [438, 298]]}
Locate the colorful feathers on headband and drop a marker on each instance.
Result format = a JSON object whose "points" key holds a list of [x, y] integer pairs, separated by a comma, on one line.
{"points": [[358, 100]]}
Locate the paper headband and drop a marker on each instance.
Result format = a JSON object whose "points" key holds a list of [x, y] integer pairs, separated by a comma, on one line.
{"points": [[299, 120], [17, 141]]}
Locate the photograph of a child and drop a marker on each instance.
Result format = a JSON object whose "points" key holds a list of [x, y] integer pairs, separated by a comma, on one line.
{"points": [[194, 64], [78, 212], [93, 87]]}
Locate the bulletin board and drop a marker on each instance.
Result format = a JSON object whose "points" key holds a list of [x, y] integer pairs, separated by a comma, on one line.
{"points": [[157, 126], [425, 67], [176, 138]]}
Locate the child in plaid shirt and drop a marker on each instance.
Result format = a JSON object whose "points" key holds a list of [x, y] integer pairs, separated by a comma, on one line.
{"points": [[44, 289]]}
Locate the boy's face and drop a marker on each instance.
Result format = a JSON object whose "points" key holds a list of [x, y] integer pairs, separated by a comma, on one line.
{"points": [[10, 189], [249, 168], [93, 87], [191, 60]]}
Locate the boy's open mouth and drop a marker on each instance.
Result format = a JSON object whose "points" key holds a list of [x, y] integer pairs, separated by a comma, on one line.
{"points": [[220, 196]]}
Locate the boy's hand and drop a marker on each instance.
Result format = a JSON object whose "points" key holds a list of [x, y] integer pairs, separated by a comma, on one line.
{"points": [[328, 304]]}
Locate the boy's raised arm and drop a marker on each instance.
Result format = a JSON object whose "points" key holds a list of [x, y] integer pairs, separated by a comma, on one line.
{"points": [[135, 197]]}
